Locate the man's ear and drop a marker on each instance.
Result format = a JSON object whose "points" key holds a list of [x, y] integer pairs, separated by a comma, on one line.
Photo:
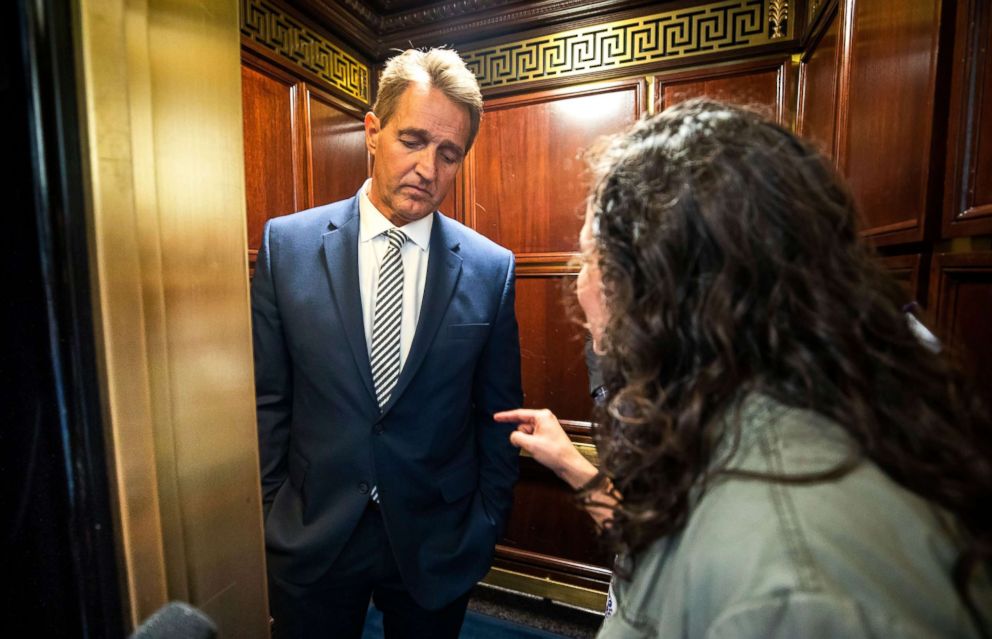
{"points": [[372, 130]]}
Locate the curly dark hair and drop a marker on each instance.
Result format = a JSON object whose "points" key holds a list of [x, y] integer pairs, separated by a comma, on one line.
{"points": [[731, 263]]}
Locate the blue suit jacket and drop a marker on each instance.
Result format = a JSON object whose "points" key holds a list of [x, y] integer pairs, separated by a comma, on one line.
{"points": [[444, 469]]}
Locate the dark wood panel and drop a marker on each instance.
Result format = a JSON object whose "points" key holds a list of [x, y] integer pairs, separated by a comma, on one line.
{"points": [[272, 181], [759, 85], [906, 269], [885, 142], [817, 118], [527, 185], [339, 160], [968, 185], [543, 509], [961, 299], [452, 204], [551, 347]]}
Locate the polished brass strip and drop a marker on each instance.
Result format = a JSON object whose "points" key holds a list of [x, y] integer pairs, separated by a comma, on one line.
{"points": [[161, 113], [115, 178], [587, 598], [674, 34], [300, 46]]}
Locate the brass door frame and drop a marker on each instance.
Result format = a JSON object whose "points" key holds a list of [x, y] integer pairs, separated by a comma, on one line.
{"points": [[160, 97]]}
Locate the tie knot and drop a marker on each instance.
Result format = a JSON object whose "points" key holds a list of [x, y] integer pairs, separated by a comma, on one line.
{"points": [[396, 238]]}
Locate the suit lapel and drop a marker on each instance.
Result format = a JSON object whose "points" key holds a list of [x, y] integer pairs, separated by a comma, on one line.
{"points": [[444, 267], [341, 257]]}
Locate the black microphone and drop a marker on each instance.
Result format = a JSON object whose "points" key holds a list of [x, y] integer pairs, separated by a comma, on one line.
{"points": [[176, 620]]}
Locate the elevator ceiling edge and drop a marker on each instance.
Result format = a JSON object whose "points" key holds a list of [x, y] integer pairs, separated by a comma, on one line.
{"points": [[376, 27]]}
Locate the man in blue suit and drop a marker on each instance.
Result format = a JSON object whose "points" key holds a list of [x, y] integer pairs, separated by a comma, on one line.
{"points": [[385, 339]]}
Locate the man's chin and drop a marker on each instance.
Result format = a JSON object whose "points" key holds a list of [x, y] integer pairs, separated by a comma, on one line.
{"points": [[414, 213]]}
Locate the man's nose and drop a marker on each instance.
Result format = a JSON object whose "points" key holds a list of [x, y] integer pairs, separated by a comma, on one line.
{"points": [[426, 165]]}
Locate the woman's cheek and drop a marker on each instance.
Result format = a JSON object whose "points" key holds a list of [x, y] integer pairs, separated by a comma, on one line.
{"points": [[590, 294]]}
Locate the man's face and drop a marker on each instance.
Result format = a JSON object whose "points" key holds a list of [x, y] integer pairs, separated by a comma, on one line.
{"points": [[417, 153]]}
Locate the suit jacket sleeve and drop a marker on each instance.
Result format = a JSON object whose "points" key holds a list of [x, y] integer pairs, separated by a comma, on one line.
{"points": [[273, 374], [497, 387]]}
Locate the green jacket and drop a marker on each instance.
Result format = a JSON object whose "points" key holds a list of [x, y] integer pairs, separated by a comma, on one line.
{"points": [[855, 557]]}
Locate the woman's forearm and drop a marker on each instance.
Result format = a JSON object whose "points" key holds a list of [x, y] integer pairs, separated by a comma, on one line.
{"points": [[577, 472]]}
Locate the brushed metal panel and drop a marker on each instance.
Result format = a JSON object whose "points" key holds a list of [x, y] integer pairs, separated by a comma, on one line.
{"points": [[161, 85]]}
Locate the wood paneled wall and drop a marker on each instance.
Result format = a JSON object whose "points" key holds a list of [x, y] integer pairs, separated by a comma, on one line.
{"points": [[908, 270], [902, 93], [961, 296], [961, 281], [968, 183], [338, 160], [886, 111], [303, 146], [818, 73], [525, 188], [760, 85], [274, 181], [528, 180]]}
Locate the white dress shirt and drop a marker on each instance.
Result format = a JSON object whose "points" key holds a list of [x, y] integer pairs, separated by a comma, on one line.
{"points": [[372, 245]]}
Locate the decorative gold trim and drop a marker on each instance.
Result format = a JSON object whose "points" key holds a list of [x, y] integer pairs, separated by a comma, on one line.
{"points": [[586, 598], [270, 26], [675, 34], [778, 14]]}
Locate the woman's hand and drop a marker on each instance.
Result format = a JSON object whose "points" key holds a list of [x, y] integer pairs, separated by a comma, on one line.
{"points": [[539, 433]]}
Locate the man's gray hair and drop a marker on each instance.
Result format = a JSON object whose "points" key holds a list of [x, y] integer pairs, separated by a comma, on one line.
{"points": [[443, 70]]}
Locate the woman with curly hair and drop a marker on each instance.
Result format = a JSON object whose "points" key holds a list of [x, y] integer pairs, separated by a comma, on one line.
{"points": [[780, 455]]}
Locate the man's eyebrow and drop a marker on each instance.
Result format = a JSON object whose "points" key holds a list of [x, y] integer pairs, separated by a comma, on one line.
{"points": [[420, 133], [424, 134]]}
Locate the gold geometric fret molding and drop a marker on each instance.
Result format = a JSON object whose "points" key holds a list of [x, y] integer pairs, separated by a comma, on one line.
{"points": [[675, 34], [269, 25]]}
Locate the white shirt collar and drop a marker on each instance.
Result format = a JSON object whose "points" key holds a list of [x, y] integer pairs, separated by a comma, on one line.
{"points": [[373, 223]]}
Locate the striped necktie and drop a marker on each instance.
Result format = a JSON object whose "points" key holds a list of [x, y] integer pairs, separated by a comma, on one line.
{"points": [[387, 322]]}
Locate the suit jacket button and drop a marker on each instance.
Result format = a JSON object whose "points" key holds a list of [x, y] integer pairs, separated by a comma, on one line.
{"points": [[363, 488], [377, 429]]}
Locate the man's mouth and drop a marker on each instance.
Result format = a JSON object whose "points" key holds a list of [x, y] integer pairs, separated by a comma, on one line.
{"points": [[417, 190]]}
